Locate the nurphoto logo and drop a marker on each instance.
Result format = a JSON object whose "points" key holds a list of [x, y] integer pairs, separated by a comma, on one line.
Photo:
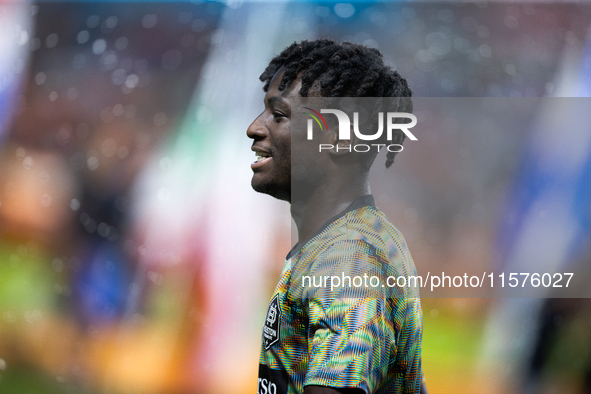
{"points": [[393, 120]]}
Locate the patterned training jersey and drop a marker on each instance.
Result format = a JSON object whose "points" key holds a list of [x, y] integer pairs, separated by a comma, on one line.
{"points": [[342, 314]]}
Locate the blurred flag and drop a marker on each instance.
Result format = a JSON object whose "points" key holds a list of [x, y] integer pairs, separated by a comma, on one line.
{"points": [[15, 34], [201, 205], [548, 213]]}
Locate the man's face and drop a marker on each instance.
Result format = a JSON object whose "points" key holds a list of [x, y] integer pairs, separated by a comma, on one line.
{"points": [[271, 134]]}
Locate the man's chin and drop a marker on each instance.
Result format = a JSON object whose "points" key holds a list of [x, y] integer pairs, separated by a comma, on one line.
{"points": [[271, 190]]}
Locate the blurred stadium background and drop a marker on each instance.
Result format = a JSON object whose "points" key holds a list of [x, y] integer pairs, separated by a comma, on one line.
{"points": [[135, 258]]}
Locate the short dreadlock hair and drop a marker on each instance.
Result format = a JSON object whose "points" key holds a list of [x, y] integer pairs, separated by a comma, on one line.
{"points": [[340, 70]]}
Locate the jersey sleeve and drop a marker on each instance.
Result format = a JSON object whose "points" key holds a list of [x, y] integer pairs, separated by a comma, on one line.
{"points": [[350, 345], [357, 334]]}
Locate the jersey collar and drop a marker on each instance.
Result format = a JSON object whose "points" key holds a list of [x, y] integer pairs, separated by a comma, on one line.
{"points": [[360, 202]]}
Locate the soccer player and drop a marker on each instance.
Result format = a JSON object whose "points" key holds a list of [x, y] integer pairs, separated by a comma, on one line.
{"points": [[342, 341]]}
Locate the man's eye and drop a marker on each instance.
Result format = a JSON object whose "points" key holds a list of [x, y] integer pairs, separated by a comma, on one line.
{"points": [[278, 115]]}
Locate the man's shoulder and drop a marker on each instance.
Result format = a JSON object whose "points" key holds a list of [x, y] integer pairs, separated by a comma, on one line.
{"points": [[364, 231], [370, 226]]}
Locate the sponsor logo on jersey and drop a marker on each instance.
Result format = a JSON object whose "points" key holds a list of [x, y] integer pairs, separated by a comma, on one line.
{"points": [[271, 326], [272, 381]]}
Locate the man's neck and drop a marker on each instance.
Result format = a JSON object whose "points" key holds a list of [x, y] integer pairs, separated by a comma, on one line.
{"points": [[311, 210]]}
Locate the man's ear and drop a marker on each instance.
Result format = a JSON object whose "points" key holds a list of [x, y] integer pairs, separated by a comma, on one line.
{"points": [[341, 147]]}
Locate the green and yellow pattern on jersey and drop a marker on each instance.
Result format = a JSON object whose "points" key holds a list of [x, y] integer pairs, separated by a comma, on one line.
{"points": [[368, 337]]}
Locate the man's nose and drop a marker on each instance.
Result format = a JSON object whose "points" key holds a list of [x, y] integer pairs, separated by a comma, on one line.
{"points": [[256, 130]]}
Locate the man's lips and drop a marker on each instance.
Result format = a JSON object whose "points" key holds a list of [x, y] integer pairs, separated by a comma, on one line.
{"points": [[263, 156]]}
